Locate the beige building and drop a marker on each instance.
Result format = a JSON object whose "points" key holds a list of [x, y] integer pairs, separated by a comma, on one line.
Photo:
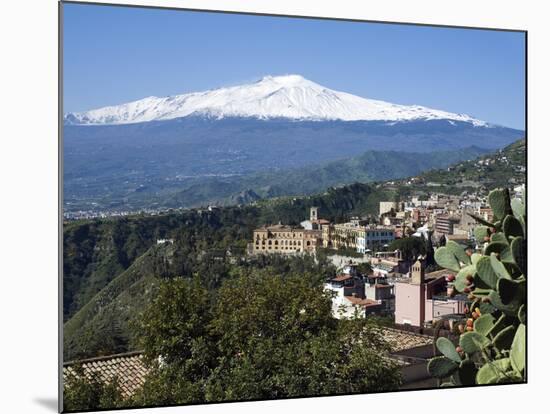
{"points": [[344, 235], [285, 240]]}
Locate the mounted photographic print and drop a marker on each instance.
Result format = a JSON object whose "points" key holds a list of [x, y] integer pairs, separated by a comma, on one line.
{"points": [[260, 207]]}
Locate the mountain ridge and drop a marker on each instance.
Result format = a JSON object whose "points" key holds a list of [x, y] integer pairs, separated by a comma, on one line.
{"points": [[369, 166]]}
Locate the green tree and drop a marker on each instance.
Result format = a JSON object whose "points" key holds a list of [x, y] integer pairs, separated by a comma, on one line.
{"points": [[410, 247], [87, 391], [264, 336], [173, 332]]}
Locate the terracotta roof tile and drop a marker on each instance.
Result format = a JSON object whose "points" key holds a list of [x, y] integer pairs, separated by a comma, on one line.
{"points": [[128, 368], [401, 340]]}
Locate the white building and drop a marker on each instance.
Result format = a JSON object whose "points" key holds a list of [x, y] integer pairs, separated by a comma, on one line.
{"points": [[373, 238], [348, 298], [348, 295]]}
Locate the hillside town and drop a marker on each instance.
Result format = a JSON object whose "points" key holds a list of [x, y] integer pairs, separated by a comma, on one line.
{"points": [[414, 296], [407, 289]]}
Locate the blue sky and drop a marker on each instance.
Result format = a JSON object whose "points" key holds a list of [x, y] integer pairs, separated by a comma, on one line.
{"points": [[114, 55]]}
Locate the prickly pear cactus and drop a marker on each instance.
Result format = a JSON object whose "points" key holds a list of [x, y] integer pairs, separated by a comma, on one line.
{"points": [[491, 347]]}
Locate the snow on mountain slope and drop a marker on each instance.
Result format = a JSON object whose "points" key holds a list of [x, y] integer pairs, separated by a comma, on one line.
{"points": [[290, 96]]}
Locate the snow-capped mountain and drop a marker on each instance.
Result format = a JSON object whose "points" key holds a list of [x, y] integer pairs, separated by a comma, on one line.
{"points": [[290, 96]]}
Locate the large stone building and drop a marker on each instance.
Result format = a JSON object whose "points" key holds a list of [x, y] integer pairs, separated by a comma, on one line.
{"points": [[283, 239]]}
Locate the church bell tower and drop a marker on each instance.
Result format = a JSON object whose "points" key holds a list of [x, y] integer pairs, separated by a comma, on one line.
{"points": [[313, 213], [417, 273]]}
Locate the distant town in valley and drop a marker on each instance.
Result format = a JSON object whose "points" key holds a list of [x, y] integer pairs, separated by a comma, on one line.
{"points": [[394, 281]]}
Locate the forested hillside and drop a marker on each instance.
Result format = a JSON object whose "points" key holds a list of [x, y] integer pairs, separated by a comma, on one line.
{"points": [[367, 167], [504, 168], [96, 251], [113, 265]]}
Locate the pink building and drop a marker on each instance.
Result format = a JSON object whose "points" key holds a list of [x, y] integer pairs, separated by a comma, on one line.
{"points": [[423, 297]]}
